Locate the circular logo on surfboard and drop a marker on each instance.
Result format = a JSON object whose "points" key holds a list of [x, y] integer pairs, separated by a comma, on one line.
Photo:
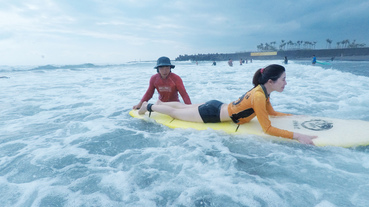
{"points": [[317, 125]]}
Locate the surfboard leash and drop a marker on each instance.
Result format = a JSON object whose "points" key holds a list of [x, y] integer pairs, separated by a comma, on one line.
{"points": [[149, 108], [238, 126]]}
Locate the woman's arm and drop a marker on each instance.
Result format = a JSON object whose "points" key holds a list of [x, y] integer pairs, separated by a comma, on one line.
{"points": [[260, 107]]}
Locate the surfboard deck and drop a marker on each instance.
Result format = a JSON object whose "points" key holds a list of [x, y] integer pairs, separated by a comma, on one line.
{"points": [[324, 63], [330, 132]]}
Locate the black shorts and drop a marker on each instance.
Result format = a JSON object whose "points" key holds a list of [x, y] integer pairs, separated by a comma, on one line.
{"points": [[210, 111]]}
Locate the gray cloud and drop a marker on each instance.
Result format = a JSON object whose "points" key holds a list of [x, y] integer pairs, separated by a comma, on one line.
{"points": [[67, 32]]}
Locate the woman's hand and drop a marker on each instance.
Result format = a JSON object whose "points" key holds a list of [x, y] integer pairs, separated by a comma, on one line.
{"points": [[303, 138]]}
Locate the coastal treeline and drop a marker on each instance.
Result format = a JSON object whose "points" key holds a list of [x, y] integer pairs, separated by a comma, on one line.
{"points": [[299, 49], [301, 44], [360, 53]]}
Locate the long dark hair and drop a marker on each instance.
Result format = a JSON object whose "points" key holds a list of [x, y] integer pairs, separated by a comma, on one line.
{"points": [[272, 72]]}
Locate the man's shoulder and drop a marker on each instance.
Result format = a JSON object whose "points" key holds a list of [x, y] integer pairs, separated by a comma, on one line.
{"points": [[173, 75], [157, 75]]}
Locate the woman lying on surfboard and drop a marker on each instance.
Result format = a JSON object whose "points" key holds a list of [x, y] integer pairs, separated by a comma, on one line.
{"points": [[253, 103]]}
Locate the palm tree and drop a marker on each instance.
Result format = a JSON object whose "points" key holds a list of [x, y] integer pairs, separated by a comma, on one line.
{"points": [[345, 43], [267, 46], [282, 45], [353, 44], [299, 43], [306, 44], [361, 45], [289, 43], [313, 44], [329, 43], [272, 45], [260, 47]]}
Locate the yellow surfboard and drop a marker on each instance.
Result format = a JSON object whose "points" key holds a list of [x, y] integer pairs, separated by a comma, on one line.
{"points": [[330, 132]]}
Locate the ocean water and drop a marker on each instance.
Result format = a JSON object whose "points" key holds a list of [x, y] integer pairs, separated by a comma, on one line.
{"points": [[66, 139]]}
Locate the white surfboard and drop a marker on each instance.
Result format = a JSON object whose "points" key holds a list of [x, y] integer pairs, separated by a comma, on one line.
{"points": [[330, 132]]}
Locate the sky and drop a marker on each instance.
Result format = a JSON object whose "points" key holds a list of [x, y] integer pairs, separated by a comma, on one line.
{"points": [[62, 32]]}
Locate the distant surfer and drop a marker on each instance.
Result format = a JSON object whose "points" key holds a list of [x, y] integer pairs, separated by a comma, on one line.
{"points": [[214, 63], [4, 77], [166, 83], [230, 62], [285, 60], [313, 61], [255, 102]]}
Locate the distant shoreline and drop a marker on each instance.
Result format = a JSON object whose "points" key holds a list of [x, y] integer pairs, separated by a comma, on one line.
{"points": [[349, 54]]}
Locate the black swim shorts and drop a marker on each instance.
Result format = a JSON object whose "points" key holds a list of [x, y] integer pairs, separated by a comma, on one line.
{"points": [[210, 111]]}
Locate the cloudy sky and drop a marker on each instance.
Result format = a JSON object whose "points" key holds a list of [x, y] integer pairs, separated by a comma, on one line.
{"points": [[40, 32]]}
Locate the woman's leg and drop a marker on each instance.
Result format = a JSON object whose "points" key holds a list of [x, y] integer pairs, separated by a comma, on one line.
{"points": [[176, 104], [188, 113]]}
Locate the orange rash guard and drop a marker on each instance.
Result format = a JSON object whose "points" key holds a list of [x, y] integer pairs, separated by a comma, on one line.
{"points": [[256, 103]]}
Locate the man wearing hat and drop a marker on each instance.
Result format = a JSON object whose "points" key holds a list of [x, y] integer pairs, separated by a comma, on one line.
{"points": [[166, 83]]}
